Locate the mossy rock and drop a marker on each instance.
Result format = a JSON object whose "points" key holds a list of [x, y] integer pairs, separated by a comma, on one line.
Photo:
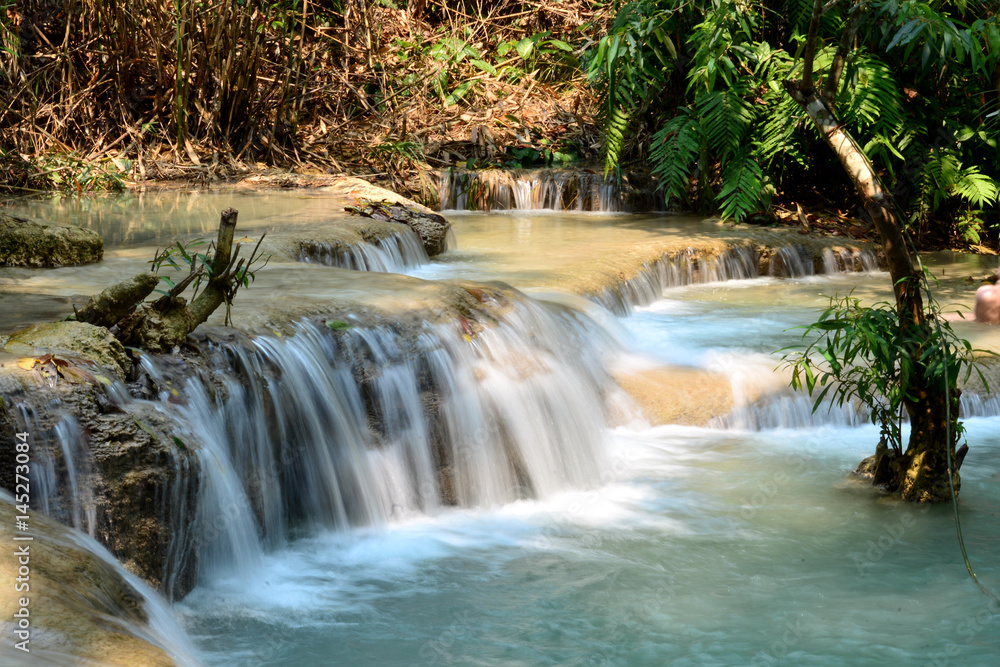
{"points": [[77, 339], [30, 243], [82, 609]]}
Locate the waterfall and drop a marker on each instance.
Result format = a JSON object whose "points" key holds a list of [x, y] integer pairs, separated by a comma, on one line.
{"points": [[391, 254], [738, 262], [540, 189], [61, 472], [333, 429], [837, 260], [791, 411], [792, 261], [153, 621], [795, 411]]}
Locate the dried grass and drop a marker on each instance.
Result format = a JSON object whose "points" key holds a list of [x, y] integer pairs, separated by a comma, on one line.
{"points": [[159, 89]]}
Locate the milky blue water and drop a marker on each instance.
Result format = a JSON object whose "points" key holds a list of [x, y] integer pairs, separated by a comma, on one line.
{"points": [[699, 547]]}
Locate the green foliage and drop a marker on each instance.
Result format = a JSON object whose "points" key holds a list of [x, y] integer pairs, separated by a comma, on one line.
{"points": [[970, 227], [182, 257], [861, 355], [75, 174], [198, 266], [675, 150], [629, 64], [918, 92]]}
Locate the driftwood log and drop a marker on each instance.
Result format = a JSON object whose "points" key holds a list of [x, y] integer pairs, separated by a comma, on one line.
{"points": [[165, 324]]}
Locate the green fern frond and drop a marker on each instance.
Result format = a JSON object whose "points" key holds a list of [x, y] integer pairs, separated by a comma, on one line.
{"points": [[976, 188], [615, 132], [942, 172], [872, 96], [674, 153], [778, 137], [727, 118], [743, 188]]}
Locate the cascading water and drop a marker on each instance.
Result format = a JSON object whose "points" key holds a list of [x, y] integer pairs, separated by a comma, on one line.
{"points": [[392, 254], [65, 484], [537, 189], [370, 425], [739, 262]]}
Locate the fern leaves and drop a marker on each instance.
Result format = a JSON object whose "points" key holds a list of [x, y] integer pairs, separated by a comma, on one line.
{"points": [[978, 189], [944, 177], [676, 147], [743, 189], [615, 128], [727, 119]]}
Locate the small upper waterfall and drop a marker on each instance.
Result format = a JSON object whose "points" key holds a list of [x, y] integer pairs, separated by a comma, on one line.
{"points": [[738, 262], [392, 254], [539, 189]]}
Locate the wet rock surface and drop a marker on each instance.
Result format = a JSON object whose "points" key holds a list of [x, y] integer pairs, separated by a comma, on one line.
{"points": [[81, 608], [117, 473], [31, 243], [75, 339], [430, 227]]}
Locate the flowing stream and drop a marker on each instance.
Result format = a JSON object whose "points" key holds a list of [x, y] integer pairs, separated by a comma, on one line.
{"points": [[567, 529]]}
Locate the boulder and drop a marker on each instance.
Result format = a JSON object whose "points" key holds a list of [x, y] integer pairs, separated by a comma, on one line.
{"points": [[30, 243], [81, 608], [76, 339], [375, 202]]}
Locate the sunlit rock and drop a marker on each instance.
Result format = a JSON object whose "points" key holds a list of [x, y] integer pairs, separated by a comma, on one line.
{"points": [[30, 243]]}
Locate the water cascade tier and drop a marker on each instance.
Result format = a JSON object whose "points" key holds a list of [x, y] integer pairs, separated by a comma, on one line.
{"points": [[262, 439], [542, 189]]}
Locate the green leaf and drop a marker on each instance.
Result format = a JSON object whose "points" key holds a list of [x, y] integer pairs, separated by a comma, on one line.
{"points": [[525, 47], [559, 44], [485, 66], [337, 325]]}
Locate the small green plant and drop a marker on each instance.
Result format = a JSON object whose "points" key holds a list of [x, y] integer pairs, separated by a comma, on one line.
{"points": [[198, 265], [69, 172], [970, 227], [199, 269], [861, 355]]}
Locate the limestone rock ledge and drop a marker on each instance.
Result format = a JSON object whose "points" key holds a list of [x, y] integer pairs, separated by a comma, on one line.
{"points": [[81, 608], [30, 243]]}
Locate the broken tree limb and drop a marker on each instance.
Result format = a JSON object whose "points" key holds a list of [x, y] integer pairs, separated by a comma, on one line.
{"points": [[118, 301], [214, 294], [165, 324]]}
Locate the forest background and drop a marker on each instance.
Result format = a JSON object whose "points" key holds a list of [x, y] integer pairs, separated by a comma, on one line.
{"points": [[685, 96]]}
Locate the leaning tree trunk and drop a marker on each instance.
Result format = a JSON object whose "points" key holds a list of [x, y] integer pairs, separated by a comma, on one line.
{"points": [[166, 323], [921, 473]]}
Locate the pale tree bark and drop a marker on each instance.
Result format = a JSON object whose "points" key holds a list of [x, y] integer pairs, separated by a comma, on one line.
{"points": [[921, 473]]}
